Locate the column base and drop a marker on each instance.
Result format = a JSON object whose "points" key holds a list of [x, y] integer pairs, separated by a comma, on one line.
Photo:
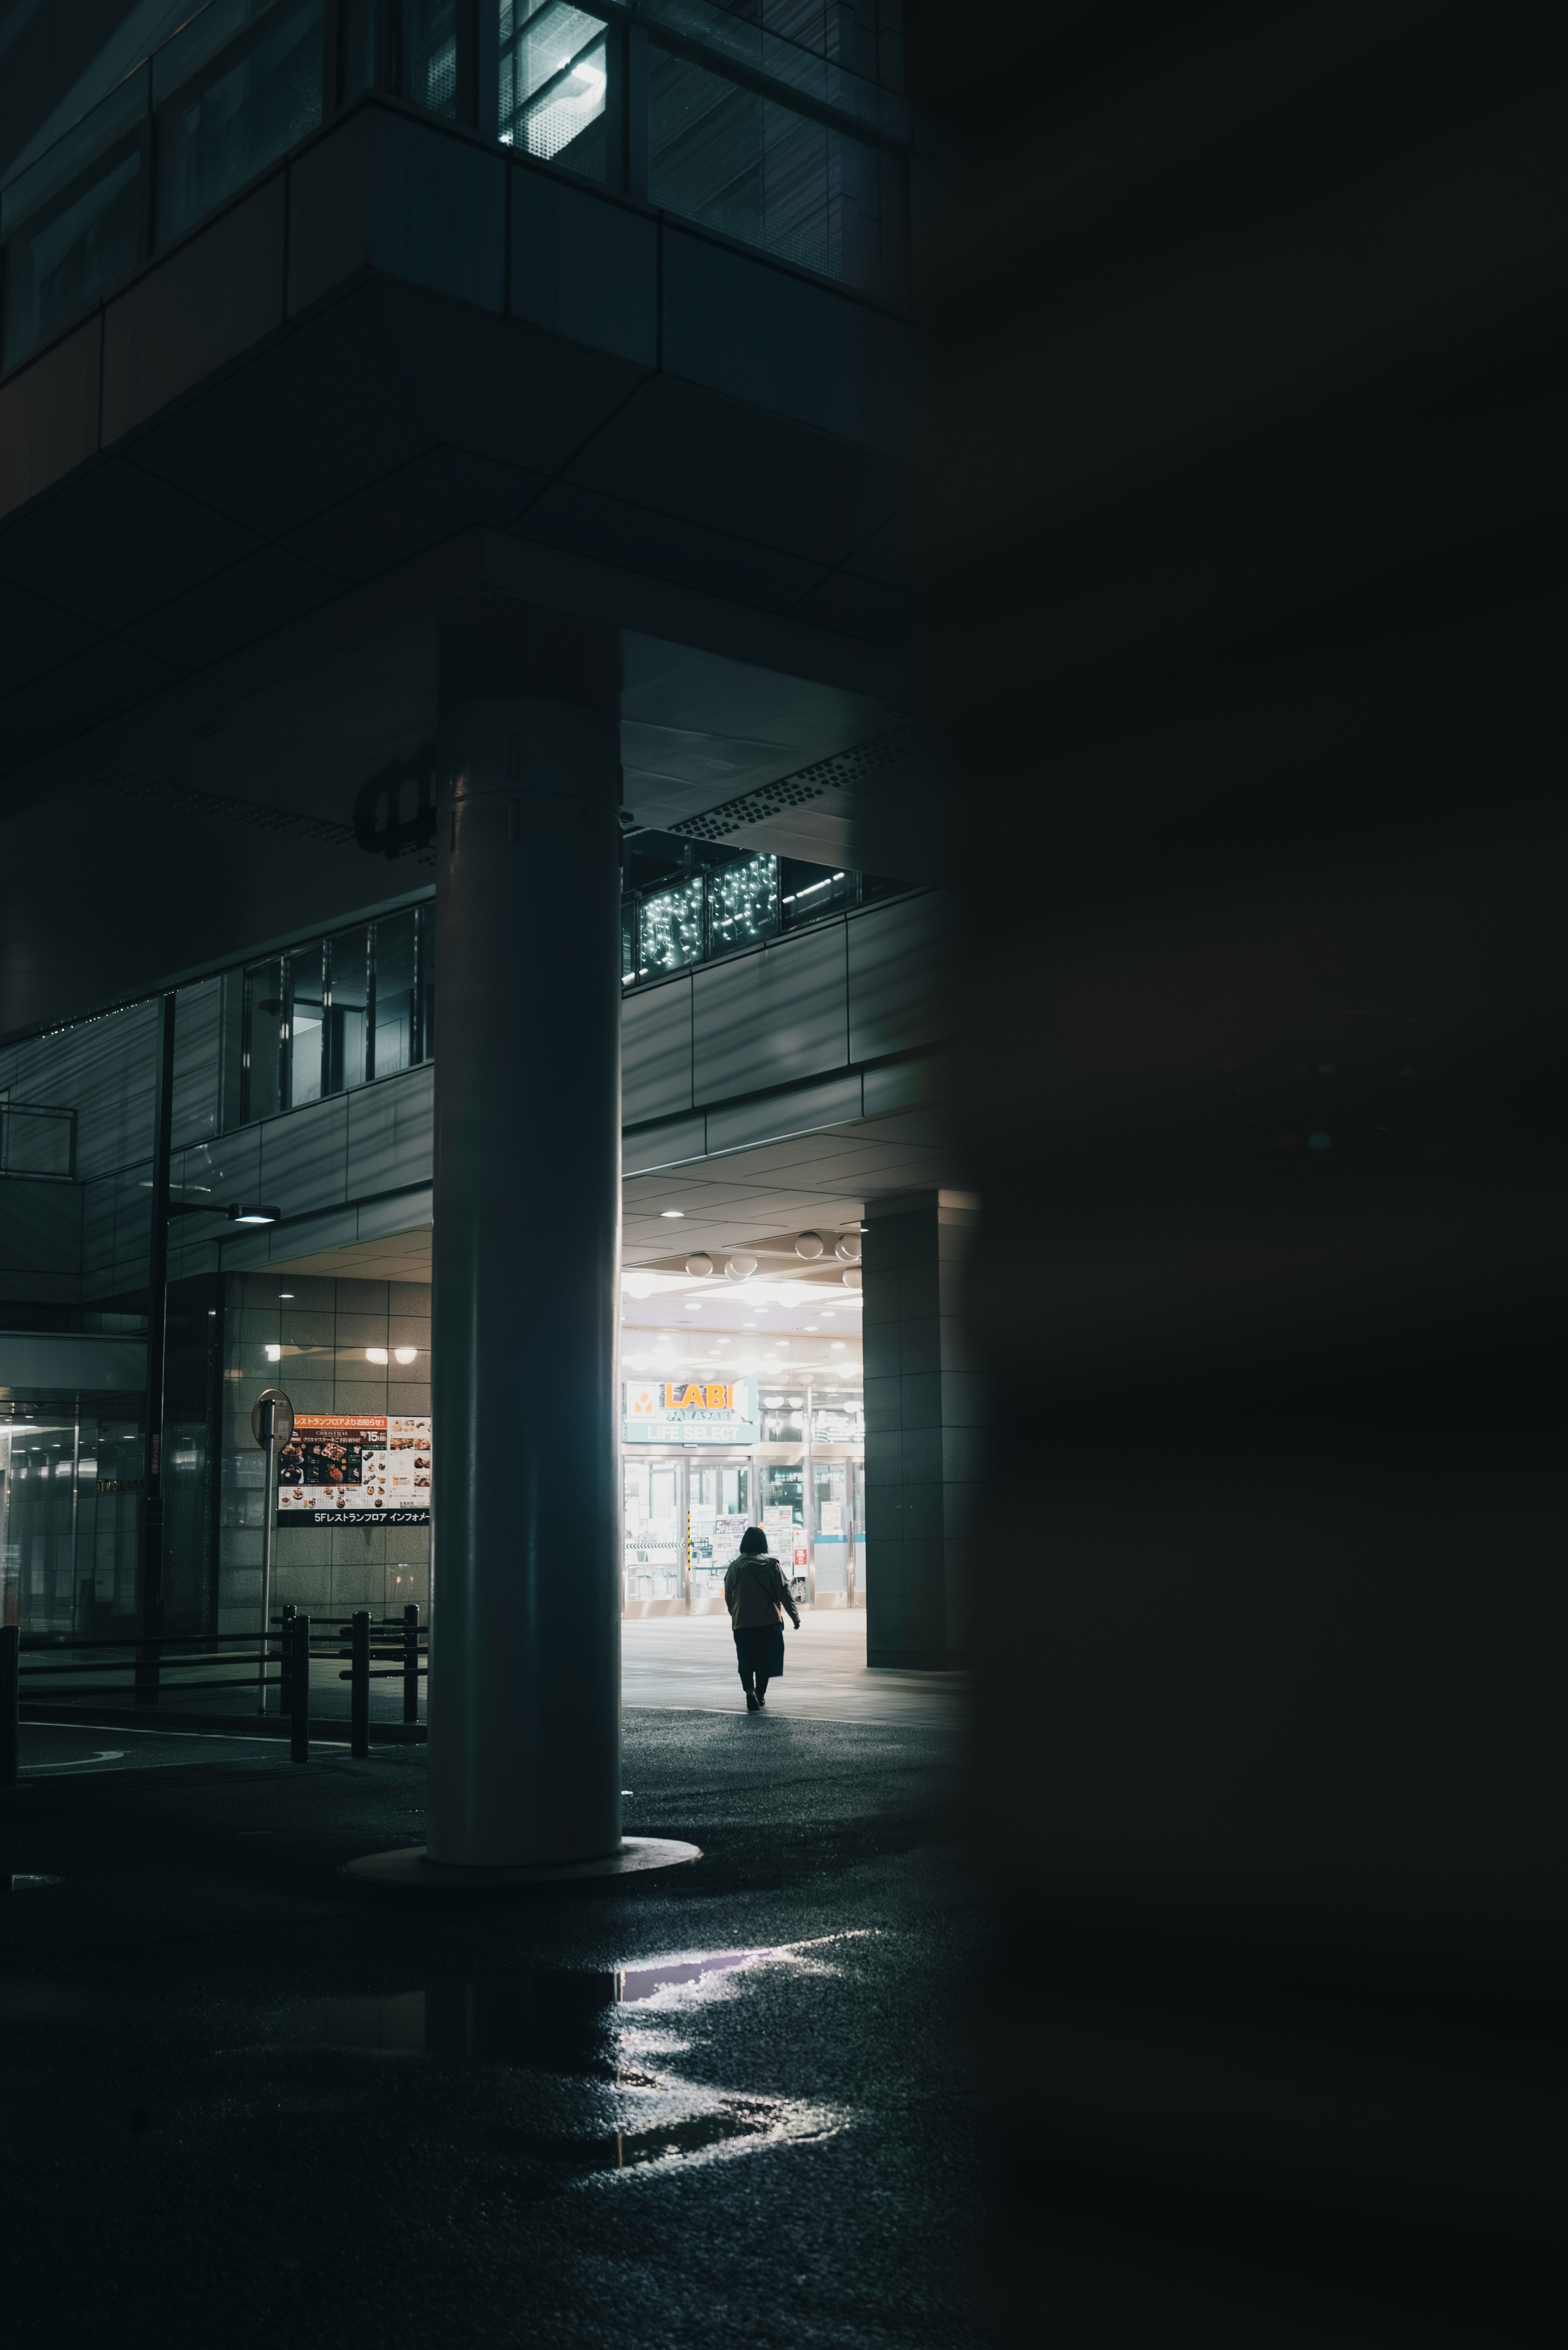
{"points": [[411, 1871]]}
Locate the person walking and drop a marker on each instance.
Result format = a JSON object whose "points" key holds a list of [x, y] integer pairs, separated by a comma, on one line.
{"points": [[758, 1599]]}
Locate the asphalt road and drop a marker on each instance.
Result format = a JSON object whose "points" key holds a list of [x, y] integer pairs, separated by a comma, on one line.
{"points": [[244, 2101]]}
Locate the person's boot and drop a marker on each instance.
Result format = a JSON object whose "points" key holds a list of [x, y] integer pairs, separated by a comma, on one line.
{"points": [[761, 1692], [753, 1703]]}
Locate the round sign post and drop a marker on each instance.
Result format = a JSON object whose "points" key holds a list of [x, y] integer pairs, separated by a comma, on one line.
{"points": [[272, 1425]]}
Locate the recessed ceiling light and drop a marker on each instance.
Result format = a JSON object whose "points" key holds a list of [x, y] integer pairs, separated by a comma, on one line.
{"points": [[692, 1307], [837, 1347], [811, 1327], [286, 1292]]}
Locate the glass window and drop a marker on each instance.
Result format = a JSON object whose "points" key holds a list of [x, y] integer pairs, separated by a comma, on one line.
{"points": [[831, 1528], [554, 73], [742, 903], [261, 1090], [760, 172], [239, 87], [348, 1009], [395, 996], [838, 1416], [783, 1414], [807, 891], [355, 46], [306, 1025], [672, 928], [72, 223], [425, 1035], [36, 1141], [433, 54]]}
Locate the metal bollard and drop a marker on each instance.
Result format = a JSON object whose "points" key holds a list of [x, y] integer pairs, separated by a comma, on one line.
{"points": [[299, 1689], [360, 1685], [411, 1664], [284, 1664], [10, 1700]]}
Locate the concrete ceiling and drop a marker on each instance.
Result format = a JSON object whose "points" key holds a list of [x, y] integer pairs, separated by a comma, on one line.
{"points": [[752, 1200]]}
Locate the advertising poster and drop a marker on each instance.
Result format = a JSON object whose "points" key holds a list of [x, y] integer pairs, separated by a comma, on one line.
{"points": [[695, 1411], [348, 1468]]}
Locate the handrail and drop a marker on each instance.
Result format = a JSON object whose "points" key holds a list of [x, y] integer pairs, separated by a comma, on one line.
{"points": [[292, 1639]]}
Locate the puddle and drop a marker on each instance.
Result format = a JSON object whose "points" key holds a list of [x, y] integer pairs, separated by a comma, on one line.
{"points": [[555, 2022]]}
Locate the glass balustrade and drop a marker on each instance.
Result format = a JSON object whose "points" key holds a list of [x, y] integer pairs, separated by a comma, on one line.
{"points": [[749, 128]]}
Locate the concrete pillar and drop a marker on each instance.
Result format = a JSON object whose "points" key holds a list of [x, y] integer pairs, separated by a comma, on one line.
{"points": [[923, 1417], [525, 1644]]}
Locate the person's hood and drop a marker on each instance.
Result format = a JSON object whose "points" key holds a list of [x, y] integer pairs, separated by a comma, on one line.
{"points": [[754, 1558]]}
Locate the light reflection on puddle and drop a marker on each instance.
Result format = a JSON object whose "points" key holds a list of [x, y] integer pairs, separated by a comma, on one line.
{"points": [[558, 2023]]}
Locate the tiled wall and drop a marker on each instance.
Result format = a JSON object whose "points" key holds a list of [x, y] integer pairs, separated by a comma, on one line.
{"points": [[324, 1330]]}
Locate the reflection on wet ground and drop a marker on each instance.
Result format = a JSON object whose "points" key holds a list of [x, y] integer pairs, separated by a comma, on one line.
{"points": [[552, 2018], [555, 2025]]}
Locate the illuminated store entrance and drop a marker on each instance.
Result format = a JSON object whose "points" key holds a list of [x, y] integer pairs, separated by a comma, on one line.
{"points": [[687, 1504]]}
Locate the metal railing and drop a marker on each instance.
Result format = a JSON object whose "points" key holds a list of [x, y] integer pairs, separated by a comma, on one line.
{"points": [[369, 1654]]}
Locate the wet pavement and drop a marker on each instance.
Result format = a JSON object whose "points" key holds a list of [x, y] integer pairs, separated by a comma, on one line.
{"points": [[245, 2100]]}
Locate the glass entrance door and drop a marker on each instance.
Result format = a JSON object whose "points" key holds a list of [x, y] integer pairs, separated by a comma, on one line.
{"points": [[655, 1538], [831, 1529], [720, 1514]]}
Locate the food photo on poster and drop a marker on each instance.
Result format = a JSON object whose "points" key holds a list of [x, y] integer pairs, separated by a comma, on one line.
{"points": [[354, 1469]]}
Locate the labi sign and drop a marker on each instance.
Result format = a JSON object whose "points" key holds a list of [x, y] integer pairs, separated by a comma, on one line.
{"points": [[691, 1411]]}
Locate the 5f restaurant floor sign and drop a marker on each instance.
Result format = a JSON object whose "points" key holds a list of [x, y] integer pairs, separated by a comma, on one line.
{"points": [[349, 1469]]}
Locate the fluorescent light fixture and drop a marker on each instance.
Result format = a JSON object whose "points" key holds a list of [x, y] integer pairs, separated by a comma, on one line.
{"points": [[671, 1211]]}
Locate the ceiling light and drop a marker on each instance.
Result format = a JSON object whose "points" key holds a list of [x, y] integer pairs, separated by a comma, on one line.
{"points": [[286, 1292], [811, 1327], [848, 1246], [671, 1211], [837, 1347], [739, 1268], [748, 1325], [828, 1313], [405, 1354], [851, 1276], [809, 1245], [700, 1266], [641, 1284], [692, 1306], [375, 1354], [239, 1214], [796, 1402]]}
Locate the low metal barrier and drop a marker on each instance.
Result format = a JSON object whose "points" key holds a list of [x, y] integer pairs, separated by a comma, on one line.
{"points": [[291, 1644]]}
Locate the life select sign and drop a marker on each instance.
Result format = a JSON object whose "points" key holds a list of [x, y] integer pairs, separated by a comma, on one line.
{"points": [[690, 1411]]}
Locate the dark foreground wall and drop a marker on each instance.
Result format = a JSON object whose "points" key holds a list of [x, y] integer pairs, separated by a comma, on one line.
{"points": [[1240, 494]]}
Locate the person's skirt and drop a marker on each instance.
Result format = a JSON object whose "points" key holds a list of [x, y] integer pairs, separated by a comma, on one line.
{"points": [[759, 1649]]}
